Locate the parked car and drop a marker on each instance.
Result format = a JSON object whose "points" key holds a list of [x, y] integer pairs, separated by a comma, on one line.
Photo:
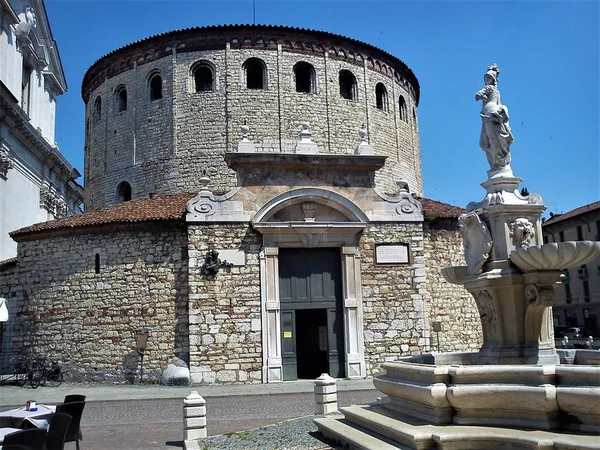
{"points": [[573, 333]]}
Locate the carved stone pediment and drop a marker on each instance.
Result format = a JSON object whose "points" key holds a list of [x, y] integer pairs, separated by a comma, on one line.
{"points": [[207, 207], [477, 241], [402, 206]]}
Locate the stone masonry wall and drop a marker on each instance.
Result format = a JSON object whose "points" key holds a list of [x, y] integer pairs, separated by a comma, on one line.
{"points": [[86, 319], [461, 327], [161, 146], [225, 312], [394, 310]]}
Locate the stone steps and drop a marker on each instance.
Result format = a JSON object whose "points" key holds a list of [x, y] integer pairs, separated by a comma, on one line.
{"points": [[376, 428], [353, 437]]}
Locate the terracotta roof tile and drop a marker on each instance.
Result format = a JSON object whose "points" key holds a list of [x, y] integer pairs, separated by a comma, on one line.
{"points": [[432, 209], [161, 207], [8, 263], [172, 208], [568, 215]]}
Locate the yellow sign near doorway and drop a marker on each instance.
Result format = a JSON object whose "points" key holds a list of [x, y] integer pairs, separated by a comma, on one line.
{"points": [[287, 334]]}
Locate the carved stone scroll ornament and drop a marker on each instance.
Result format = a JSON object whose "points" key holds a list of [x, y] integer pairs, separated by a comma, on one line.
{"points": [[539, 296], [488, 315], [477, 241], [6, 163], [522, 232]]}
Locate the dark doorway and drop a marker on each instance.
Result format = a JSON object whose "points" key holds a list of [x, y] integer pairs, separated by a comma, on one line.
{"points": [[312, 329], [311, 343]]}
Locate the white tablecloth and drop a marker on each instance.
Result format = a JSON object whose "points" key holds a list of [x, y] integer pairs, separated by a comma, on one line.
{"points": [[14, 417]]}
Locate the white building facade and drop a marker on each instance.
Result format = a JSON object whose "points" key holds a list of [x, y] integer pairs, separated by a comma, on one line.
{"points": [[37, 183]]}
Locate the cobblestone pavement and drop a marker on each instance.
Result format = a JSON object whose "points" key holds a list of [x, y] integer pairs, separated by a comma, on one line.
{"points": [[158, 423]]}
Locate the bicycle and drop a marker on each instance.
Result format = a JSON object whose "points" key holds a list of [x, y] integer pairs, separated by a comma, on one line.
{"points": [[45, 371]]}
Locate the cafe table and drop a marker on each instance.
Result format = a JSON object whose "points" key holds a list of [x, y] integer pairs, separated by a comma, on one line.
{"points": [[14, 418]]}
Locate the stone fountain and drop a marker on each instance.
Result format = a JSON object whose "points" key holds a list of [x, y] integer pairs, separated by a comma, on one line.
{"points": [[514, 393]]}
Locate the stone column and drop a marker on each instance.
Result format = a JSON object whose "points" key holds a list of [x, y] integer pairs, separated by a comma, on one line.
{"points": [[353, 318], [270, 306], [325, 395], [194, 420]]}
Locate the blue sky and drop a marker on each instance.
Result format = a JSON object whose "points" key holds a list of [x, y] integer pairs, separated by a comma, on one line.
{"points": [[547, 51]]}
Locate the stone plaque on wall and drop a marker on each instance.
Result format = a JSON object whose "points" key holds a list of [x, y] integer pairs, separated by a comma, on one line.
{"points": [[391, 254]]}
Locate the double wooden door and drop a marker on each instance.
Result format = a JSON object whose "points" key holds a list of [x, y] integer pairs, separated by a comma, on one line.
{"points": [[312, 319]]}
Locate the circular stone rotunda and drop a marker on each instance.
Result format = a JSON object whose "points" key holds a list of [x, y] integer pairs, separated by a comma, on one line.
{"points": [[254, 200]]}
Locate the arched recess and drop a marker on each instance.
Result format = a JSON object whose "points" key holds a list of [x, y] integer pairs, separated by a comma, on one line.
{"points": [[311, 217]]}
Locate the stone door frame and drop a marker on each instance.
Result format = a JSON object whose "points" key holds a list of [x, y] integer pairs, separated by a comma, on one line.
{"points": [[311, 235]]}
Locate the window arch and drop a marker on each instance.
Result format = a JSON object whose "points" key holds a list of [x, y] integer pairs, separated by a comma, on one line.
{"points": [[121, 98], [155, 86], [305, 77], [124, 191], [203, 75], [402, 109], [348, 85], [97, 109], [256, 73], [97, 263], [381, 97]]}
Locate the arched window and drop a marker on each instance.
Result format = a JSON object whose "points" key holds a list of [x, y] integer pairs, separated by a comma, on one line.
{"points": [[121, 98], [124, 191], [204, 79], [402, 109], [98, 109], [381, 97], [256, 74], [304, 73], [155, 86], [97, 263], [348, 85]]}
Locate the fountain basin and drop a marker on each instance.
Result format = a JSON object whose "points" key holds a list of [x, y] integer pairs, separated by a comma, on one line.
{"points": [[556, 255], [456, 388]]}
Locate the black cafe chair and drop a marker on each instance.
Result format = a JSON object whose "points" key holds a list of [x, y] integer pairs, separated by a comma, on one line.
{"points": [[57, 431], [75, 410], [70, 398], [33, 439]]}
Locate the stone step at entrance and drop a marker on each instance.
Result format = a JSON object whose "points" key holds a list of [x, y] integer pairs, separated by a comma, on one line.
{"points": [[375, 427]]}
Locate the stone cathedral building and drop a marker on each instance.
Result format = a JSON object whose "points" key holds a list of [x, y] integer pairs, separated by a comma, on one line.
{"points": [[293, 156]]}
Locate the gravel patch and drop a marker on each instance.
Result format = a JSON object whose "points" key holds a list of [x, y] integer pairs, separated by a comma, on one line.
{"points": [[294, 434]]}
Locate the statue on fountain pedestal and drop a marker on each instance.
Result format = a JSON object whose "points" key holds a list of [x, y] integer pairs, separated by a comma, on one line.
{"points": [[496, 136]]}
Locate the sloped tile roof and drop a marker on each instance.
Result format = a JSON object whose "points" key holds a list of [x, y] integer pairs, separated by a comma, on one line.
{"points": [[160, 208], [171, 207], [432, 209], [569, 215]]}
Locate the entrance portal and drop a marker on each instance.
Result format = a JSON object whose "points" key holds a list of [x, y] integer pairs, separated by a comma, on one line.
{"points": [[312, 330]]}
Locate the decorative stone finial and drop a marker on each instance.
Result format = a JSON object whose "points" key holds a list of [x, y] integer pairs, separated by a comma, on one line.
{"points": [[362, 132], [204, 180], [27, 22], [306, 145], [496, 135], [364, 148], [245, 145]]}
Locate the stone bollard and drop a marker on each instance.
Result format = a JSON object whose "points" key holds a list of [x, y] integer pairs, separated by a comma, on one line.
{"points": [[590, 343], [325, 395], [194, 420]]}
